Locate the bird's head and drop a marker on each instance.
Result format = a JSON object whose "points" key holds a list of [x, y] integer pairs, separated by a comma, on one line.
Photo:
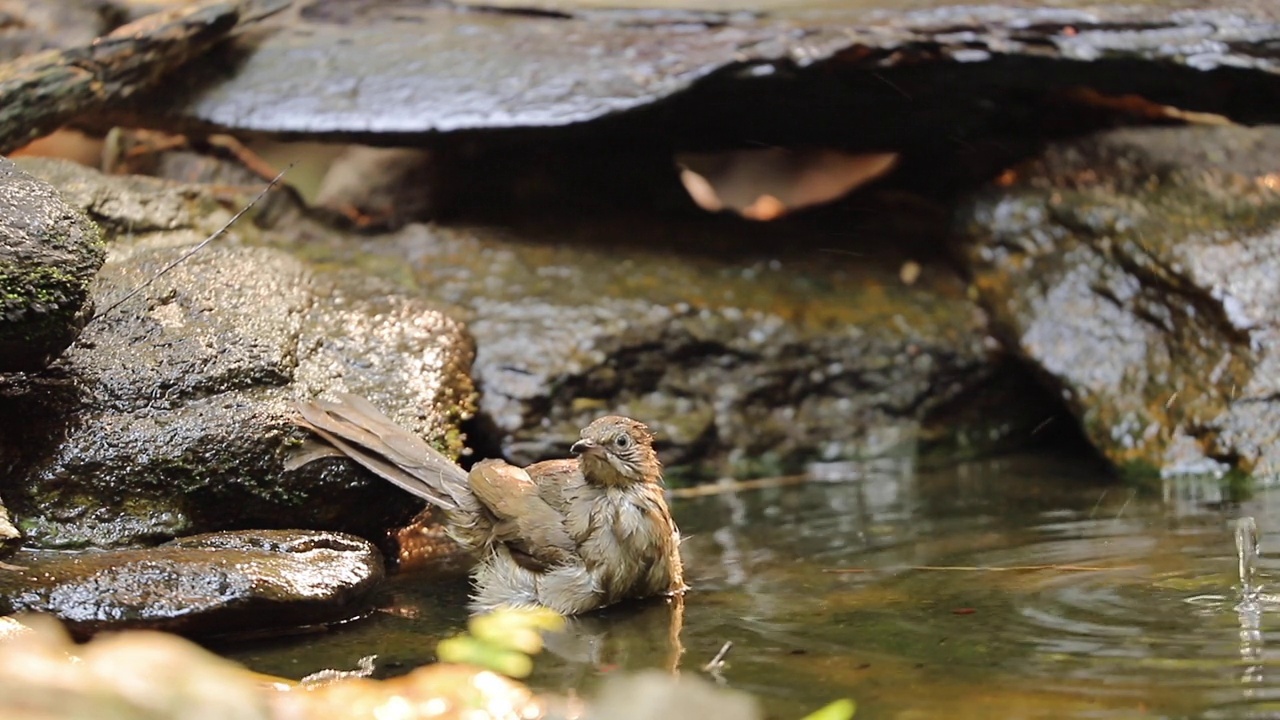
{"points": [[616, 450]]}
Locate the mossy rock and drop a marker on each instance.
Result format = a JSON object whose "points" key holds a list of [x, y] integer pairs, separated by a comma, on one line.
{"points": [[49, 254]]}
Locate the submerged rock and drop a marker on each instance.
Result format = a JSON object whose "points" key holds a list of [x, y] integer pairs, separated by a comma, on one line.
{"points": [[220, 583], [170, 416], [49, 253], [1140, 271]]}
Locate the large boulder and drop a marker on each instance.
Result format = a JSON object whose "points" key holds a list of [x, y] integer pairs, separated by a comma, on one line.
{"points": [[171, 416], [1139, 270], [378, 73]]}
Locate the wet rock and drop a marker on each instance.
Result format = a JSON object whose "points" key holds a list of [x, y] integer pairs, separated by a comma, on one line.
{"points": [[44, 91], [170, 416], [742, 359], [219, 583], [386, 74], [1138, 270], [49, 253], [32, 27]]}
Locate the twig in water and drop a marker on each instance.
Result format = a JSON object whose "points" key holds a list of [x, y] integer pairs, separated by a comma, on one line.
{"points": [[716, 664], [1098, 504], [226, 226], [1008, 568], [1132, 495], [720, 488], [1024, 568]]}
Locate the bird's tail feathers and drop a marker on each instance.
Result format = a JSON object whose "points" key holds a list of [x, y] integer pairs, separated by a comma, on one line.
{"points": [[366, 435]]}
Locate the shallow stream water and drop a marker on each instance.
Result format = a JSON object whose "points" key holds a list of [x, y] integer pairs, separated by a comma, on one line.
{"points": [[1018, 588]]}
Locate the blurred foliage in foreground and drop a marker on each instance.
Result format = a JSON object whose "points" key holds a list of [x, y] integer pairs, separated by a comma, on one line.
{"points": [[502, 641], [148, 675]]}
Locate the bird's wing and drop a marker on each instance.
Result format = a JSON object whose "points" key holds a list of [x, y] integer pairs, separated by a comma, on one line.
{"points": [[526, 522]]}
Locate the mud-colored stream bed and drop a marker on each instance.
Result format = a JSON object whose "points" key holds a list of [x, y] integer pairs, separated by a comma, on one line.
{"points": [[1019, 588]]}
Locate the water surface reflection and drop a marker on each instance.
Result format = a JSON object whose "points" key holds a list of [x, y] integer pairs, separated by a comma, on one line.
{"points": [[1024, 587]]}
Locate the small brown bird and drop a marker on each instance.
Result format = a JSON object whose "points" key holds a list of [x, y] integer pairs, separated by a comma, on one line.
{"points": [[572, 535]]}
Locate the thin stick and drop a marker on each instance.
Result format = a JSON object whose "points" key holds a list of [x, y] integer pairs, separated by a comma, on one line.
{"points": [[1043, 424], [226, 226], [1009, 568], [720, 488], [717, 662]]}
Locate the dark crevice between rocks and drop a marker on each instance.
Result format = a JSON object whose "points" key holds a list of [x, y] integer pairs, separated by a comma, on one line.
{"points": [[956, 124], [20, 407], [483, 439], [1041, 421], [859, 100]]}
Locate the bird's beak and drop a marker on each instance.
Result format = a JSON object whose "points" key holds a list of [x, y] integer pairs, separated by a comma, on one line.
{"points": [[583, 446]]}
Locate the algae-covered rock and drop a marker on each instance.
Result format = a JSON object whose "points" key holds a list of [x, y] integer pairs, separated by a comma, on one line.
{"points": [[49, 252], [1140, 271], [171, 416]]}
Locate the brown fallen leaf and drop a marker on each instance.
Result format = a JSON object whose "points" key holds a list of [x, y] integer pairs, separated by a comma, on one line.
{"points": [[1138, 106], [765, 184]]}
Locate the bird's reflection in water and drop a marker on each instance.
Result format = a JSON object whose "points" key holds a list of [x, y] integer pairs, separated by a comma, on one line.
{"points": [[631, 635]]}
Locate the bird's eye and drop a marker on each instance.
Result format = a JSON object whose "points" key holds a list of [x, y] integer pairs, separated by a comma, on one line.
{"points": [[623, 441]]}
